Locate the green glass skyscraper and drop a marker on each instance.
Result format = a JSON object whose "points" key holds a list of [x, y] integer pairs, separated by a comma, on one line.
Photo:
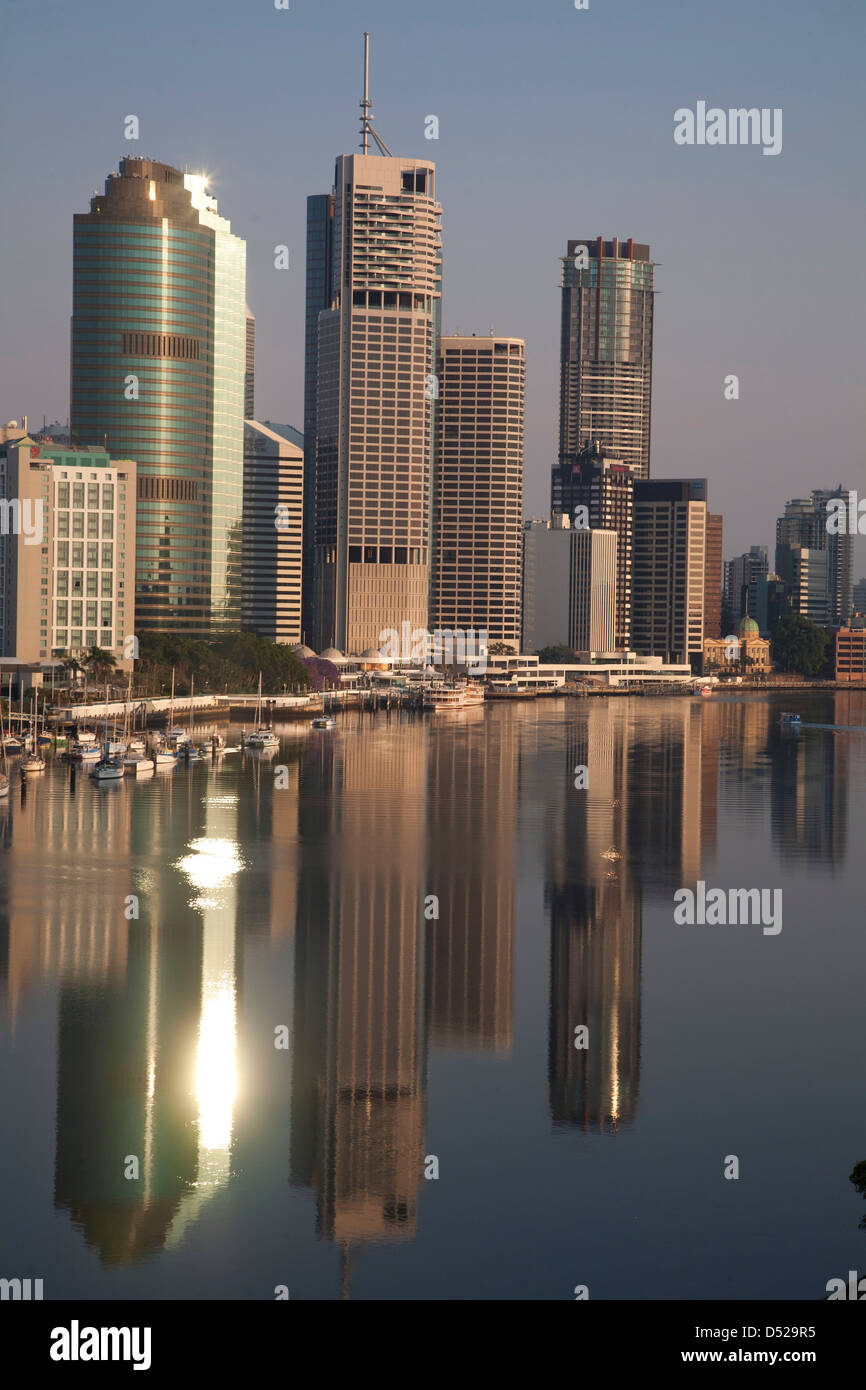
{"points": [[158, 365]]}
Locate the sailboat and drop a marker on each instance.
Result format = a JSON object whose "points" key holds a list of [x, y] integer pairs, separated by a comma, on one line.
{"points": [[188, 750], [262, 735], [33, 762], [110, 767], [163, 755]]}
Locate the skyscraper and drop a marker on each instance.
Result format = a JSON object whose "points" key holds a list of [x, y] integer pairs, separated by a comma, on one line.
{"points": [[158, 376], [670, 526], [368, 520], [604, 486], [478, 504], [569, 587], [250, 367], [606, 350], [743, 576]]}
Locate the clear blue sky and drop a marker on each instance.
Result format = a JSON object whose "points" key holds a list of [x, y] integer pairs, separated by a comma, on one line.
{"points": [[554, 123]]}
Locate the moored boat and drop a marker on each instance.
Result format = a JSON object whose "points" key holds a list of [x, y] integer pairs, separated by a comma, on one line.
{"points": [[324, 721]]}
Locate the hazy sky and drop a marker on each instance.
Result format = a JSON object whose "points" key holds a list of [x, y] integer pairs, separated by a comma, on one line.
{"points": [[554, 123]]}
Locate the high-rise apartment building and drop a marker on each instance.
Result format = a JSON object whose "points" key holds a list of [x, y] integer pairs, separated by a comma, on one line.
{"points": [[606, 350], [670, 527], [604, 488], [272, 532], [569, 587], [159, 344], [713, 577], [376, 350], [67, 551], [478, 489]]}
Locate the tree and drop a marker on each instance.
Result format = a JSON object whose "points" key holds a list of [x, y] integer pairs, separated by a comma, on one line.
{"points": [[799, 645], [557, 656]]}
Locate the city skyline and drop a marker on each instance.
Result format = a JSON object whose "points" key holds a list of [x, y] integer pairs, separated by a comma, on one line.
{"points": [[720, 311]]}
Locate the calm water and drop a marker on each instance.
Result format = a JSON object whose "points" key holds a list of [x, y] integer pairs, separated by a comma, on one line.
{"points": [[295, 901]]}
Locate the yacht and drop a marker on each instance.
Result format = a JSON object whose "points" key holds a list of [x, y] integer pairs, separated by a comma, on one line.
{"points": [[262, 735], [137, 765], [324, 721], [163, 758], [34, 762], [4, 785]]}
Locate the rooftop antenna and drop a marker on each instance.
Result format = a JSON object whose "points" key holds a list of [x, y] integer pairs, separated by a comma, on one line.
{"points": [[367, 108]]}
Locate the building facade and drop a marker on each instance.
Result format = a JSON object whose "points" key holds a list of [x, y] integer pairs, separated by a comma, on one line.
{"points": [[378, 267], [713, 577], [67, 569], [569, 587], [272, 532], [606, 350], [820, 589], [743, 575], [670, 526], [159, 342], [478, 488], [604, 488]]}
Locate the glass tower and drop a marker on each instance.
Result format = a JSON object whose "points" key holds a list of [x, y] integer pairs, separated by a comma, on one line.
{"points": [[159, 335], [606, 350]]}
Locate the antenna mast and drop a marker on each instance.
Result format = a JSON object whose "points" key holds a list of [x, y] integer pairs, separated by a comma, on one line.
{"points": [[367, 108]]}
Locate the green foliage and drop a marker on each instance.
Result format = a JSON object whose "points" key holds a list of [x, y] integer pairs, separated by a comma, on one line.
{"points": [[799, 645], [228, 663], [557, 656]]}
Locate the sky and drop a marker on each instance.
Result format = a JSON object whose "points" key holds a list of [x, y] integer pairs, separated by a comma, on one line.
{"points": [[554, 123]]}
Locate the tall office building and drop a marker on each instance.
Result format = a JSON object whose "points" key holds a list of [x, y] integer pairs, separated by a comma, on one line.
{"points": [[569, 587], [478, 490], [158, 376], [319, 283], [376, 351], [819, 589], [859, 600], [743, 576], [606, 350], [604, 486], [273, 505], [670, 527], [713, 577], [67, 576]]}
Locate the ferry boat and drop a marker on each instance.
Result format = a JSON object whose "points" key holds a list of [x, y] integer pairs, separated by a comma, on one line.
{"points": [[442, 698], [324, 721]]}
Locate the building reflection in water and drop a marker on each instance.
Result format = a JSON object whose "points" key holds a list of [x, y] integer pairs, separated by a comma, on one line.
{"points": [[472, 819], [359, 1065], [595, 924], [145, 1063]]}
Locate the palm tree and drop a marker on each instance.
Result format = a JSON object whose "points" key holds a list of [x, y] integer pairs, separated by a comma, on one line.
{"points": [[100, 662]]}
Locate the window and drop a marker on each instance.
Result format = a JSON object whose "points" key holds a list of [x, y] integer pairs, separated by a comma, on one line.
{"points": [[91, 615], [78, 523], [107, 526], [93, 525], [105, 640], [62, 612], [62, 553], [91, 637], [92, 555], [62, 585], [106, 586], [77, 555], [92, 579], [78, 494], [63, 494], [63, 523], [107, 557], [76, 610], [93, 495], [108, 495]]}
